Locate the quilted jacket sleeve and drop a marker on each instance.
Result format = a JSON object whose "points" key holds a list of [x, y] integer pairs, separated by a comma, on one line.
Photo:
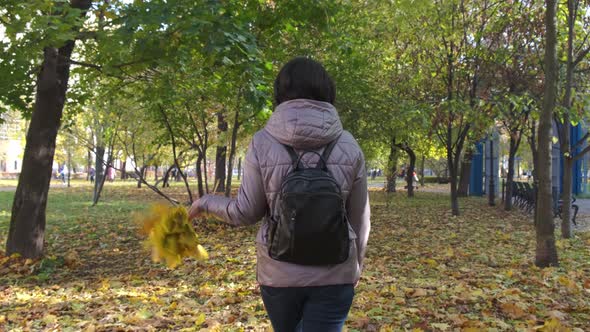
{"points": [[249, 206], [358, 208]]}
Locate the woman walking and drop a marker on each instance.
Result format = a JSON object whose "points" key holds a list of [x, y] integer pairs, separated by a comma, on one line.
{"points": [[300, 291]]}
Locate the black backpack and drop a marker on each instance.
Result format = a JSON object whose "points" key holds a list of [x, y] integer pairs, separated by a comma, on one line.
{"points": [[309, 225]]}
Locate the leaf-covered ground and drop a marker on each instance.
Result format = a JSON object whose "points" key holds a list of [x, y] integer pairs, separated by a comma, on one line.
{"points": [[425, 271]]}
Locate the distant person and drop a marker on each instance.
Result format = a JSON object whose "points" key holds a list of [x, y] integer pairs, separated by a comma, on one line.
{"points": [[307, 284], [111, 174], [373, 174], [62, 174], [92, 174]]}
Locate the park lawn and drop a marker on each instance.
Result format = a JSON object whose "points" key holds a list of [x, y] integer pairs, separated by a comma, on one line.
{"points": [[425, 270]]}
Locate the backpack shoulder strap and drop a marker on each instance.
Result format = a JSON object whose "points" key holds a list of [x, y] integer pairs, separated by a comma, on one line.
{"points": [[293, 155], [328, 149], [323, 162]]}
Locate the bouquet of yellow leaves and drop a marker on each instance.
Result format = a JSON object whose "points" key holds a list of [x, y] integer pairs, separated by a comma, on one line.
{"points": [[171, 236]]}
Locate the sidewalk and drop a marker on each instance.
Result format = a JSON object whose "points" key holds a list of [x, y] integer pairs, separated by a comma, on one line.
{"points": [[430, 188], [584, 204], [583, 218], [53, 185]]}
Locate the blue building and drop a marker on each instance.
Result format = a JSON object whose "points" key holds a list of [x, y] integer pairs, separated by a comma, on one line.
{"points": [[581, 169], [482, 164]]}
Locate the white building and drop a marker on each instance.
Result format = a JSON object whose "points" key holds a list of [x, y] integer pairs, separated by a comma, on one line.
{"points": [[11, 144]]}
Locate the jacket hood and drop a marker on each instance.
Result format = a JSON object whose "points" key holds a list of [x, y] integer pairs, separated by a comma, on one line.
{"points": [[304, 124]]}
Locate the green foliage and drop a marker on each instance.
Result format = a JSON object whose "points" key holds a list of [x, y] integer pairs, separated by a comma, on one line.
{"points": [[28, 27], [389, 60]]}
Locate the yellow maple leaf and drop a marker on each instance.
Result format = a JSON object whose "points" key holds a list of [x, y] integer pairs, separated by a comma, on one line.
{"points": [[568, 283], [200, 319], [553, 325]]}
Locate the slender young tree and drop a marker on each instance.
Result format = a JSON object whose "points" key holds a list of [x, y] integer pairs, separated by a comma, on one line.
{"points": [[546, 252], [574, 55], [220, 153]]}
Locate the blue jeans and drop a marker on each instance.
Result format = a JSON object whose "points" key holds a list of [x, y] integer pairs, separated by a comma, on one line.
{"points": [[308, 309]]}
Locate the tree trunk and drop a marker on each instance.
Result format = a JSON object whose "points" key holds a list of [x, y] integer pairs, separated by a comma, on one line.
{"points": [[568, 164], [465, 176], [166, 177], [200, 176], [510, 176], [392, 167], [100, 185], [142, 174], [232, 152], [453, 172], [453, 159], [411, 170], [123, 171], [88, 165], [546, 252], [26, 234], [100, 173], [219, 184], [109, 167], [205, 172], [204, 147], [534, 152], [422, 162], [239, 168], [220, 154]]}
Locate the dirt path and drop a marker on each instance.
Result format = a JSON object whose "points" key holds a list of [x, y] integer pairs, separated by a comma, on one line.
{"points": [[11, 188]]}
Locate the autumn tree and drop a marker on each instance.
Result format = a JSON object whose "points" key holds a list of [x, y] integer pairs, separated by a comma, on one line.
{"points": [[58, 25], [576, 49], [451, 53], [546, 252]]}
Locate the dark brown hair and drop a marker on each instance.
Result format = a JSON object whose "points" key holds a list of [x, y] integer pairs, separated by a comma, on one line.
{"points": [[304, 78]]}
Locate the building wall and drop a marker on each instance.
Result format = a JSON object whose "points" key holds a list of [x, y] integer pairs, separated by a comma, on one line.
{"points": [[583, 175], [10, 156], [11, 144]]}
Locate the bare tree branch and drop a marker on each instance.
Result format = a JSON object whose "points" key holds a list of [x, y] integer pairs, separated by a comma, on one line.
{"points": [[171, 132], [581, 141], [84, 64], [581, 56], [581, 153]]}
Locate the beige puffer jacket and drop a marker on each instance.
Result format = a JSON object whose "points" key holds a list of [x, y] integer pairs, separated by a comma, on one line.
{"points": [[304, 125]]}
